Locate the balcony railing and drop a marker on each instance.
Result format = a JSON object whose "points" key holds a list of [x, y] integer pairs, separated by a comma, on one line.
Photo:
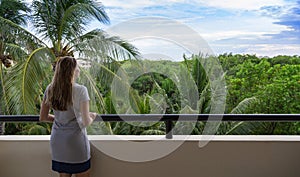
{"points": [[224, 156], [169, 118]]}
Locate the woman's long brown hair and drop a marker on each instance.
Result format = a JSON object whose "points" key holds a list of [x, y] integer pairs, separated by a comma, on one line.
{"points": [[59, 94]]}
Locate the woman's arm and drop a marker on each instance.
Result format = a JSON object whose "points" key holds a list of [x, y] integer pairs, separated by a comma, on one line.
{"points": [[44, 113], [87, 116]]}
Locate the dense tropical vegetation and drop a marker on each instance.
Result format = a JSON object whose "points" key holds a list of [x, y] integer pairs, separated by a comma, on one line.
{"points": [[61, 28], [14, 11], [266, 85], [254, 84]]}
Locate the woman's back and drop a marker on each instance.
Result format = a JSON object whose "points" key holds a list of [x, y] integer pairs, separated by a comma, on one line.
{"points": [[68, 118], [69, 141], [70, 148]]}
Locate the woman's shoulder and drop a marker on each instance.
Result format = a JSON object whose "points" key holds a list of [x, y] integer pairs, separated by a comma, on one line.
{"points": [[81, 92], [79, 87]]}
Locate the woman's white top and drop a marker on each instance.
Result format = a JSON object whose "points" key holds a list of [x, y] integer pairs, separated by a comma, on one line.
{"points": [[69, 142]]}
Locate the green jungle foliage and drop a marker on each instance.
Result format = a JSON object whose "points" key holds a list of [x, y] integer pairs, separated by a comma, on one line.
{"points": [[250, 84], [254, 86]]}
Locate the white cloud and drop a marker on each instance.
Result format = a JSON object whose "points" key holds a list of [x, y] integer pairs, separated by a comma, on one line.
{"points": [[254, 27], [258, 49], [243, 22], [223, 4], [134, 4], [212, 29], [161, 36], [156, 49], [129, 4], [274, 49], [241, 4]]}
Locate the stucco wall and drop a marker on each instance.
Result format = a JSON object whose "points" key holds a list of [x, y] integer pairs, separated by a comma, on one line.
{"points": [[224, 156]]}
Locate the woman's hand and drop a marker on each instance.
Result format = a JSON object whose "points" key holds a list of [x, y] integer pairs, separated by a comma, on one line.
{"points": [[87, 117], [93, 115]]}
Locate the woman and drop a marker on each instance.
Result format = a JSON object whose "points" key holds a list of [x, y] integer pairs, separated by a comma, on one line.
{"points": [[70, 148]]}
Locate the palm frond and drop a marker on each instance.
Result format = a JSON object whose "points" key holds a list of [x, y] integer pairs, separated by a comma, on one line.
{"points": [[204, 99], [96, 96], [240, 128], [15, 34], [15, 11], [3, 91], [17, 53], [198, 72], [57, 20], [100, 47], [77, 16], [35, 130], [100, 128], [43, 19], [157, 104], [153, 132], [244, 105], [23, 85]]}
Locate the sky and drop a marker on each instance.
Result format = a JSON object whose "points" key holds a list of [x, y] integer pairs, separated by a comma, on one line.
{"points": [[260, 27]]}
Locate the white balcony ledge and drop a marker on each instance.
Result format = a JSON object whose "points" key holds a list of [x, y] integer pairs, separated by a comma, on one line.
{"points": [[162, 137], [223, 156]]}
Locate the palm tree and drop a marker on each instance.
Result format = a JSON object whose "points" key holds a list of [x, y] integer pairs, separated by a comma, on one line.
{"points": [[204, 104], [61, 25], [146, 103], [12, 12]]}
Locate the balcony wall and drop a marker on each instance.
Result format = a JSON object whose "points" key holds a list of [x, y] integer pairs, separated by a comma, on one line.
{"points": [[224, 156]]}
